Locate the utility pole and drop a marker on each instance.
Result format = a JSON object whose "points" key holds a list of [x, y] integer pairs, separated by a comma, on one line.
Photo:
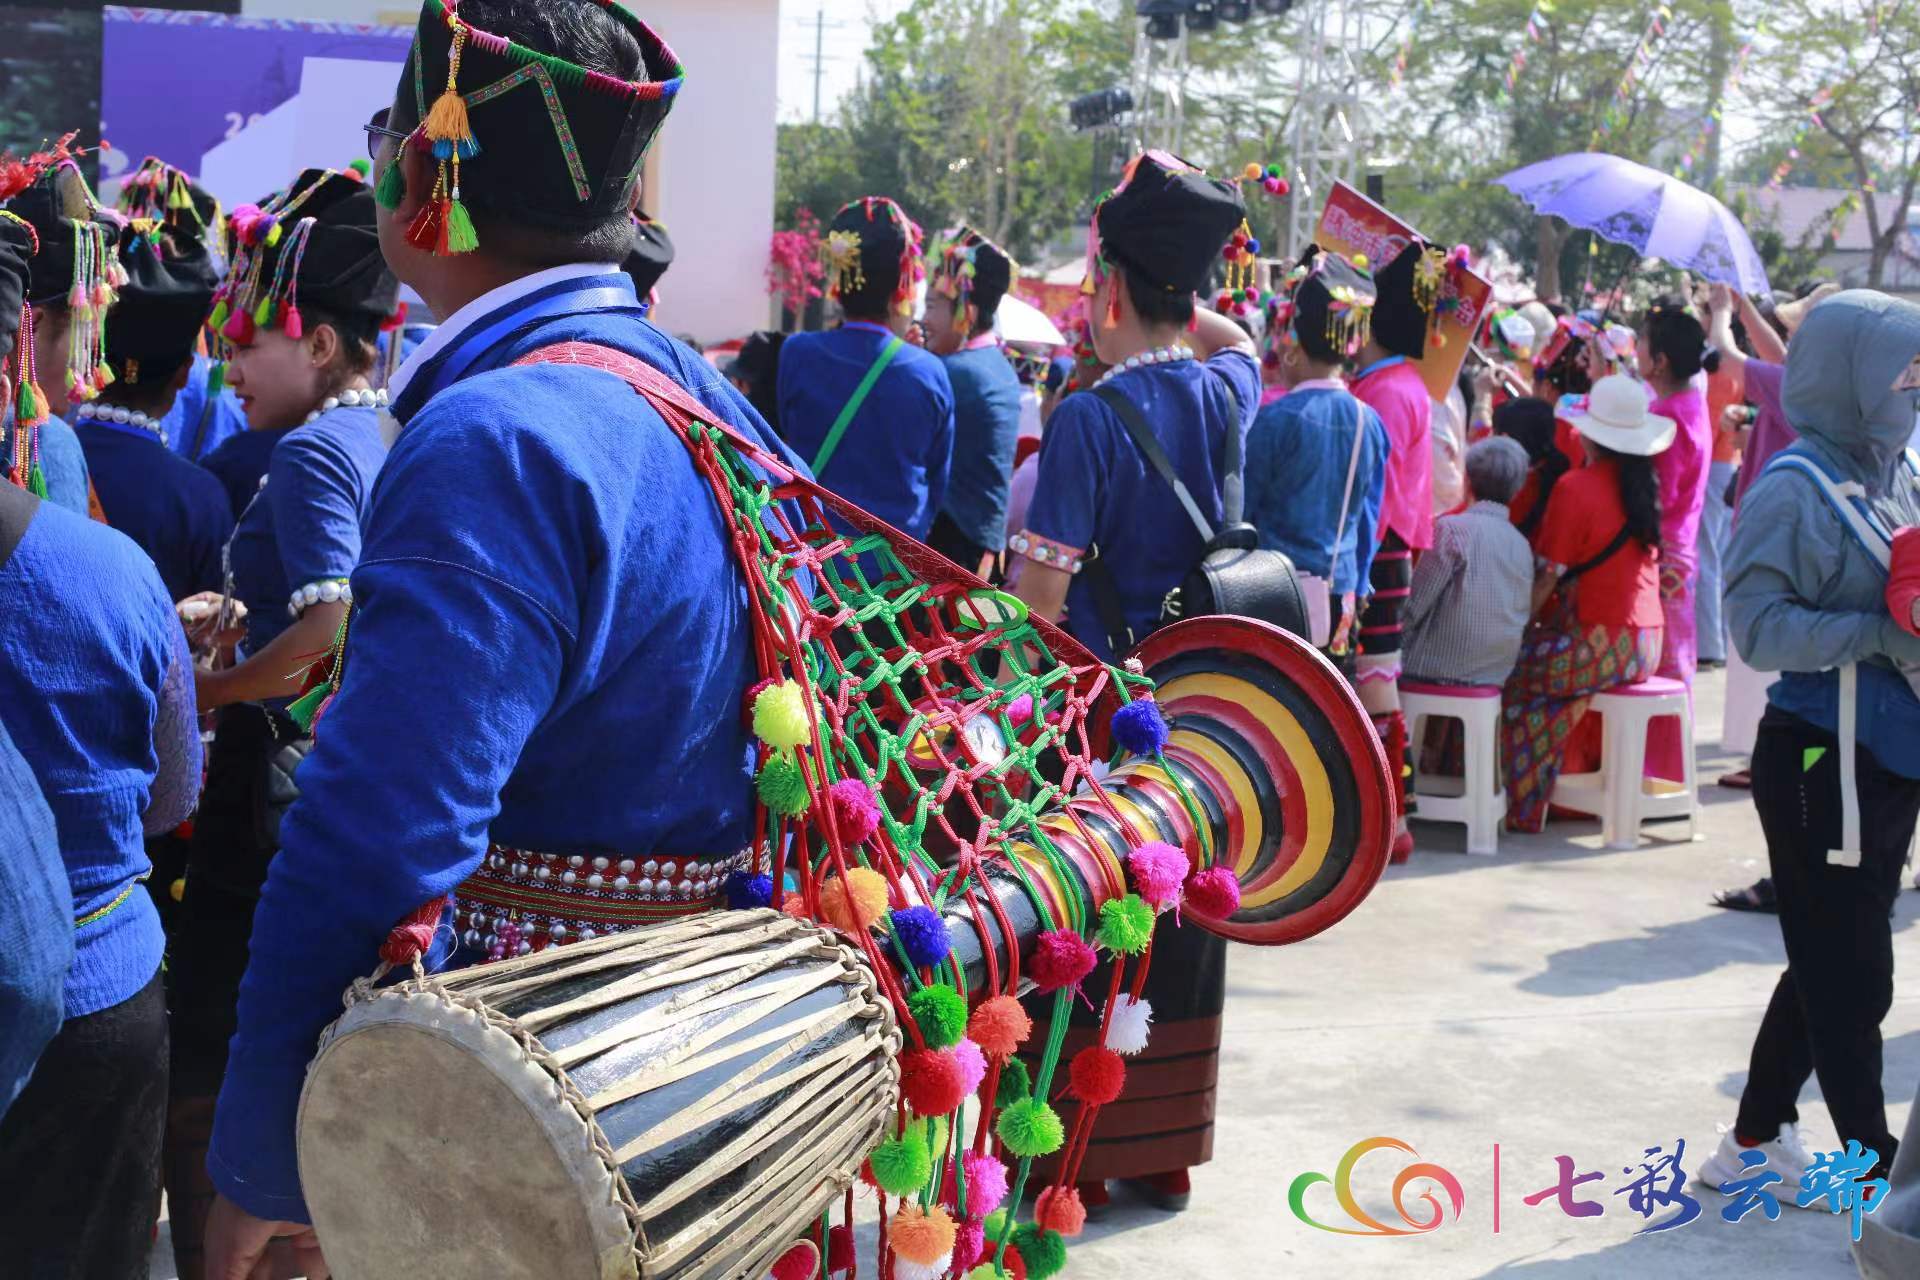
{"points": [[819, 56]]}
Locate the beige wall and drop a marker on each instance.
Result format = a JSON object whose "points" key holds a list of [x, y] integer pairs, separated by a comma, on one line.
{"points": [[710, 178]]}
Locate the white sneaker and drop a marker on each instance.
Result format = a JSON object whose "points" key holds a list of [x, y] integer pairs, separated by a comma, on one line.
{"points": [[1786, 1156]]}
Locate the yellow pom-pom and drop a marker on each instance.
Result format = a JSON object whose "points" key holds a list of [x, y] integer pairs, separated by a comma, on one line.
{"points": [[178, 889], [1360, 260], [854, 902], [1253, 173], [781, 716], [922, 1236], [447, 119]]}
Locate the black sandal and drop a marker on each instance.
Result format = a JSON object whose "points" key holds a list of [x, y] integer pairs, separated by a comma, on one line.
{"points": [[1758, 896]]}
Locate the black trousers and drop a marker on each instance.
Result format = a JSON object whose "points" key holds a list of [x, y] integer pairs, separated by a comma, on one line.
{"points": [[80, 1148], [946, 538], [1825, 1015]]}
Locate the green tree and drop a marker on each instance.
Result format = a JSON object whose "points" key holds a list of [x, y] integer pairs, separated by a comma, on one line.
{"points": [[1852, 72]]}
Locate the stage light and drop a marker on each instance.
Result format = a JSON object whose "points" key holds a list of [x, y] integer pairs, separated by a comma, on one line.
{"points": [[1235, 10], [1095, 110], [1163, 17], [1274, 8], [1202, 15]]}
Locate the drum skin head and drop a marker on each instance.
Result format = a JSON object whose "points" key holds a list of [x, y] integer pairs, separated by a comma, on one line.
{"points": [[397, 1183]]}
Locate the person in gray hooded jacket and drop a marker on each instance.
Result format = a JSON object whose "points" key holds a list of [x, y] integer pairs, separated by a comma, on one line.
{"points": [[1806, 578]]}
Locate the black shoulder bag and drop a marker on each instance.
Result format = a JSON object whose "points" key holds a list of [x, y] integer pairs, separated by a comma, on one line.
{"points": [[1234, 575]]}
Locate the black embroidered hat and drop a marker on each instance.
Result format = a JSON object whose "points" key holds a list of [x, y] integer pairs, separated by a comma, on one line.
{"points": [[970, 268], [520, 132], [161, 307], [1167, 221], [1328, 305], [315, 244], [75, 264], [651, 255], [1409, 288], [162, 193]]}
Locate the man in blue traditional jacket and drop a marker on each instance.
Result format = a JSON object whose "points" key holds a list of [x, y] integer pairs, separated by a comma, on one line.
{"points": [[871, 412], [550, 641]]}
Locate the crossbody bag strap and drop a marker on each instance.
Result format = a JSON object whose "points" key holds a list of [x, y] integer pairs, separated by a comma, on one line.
{"points": [[1595, 561], [852, 406], [1156, 455], [1346, 494], [1233, 485]]}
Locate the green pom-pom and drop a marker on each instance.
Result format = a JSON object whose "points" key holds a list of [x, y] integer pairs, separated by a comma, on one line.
{"points": [[461, 237], [901, 1167], [781, 717], [359, 164], [995, 1224], [1274, 171], [1044, 1252], [782, 788], [1031, 1128], [1126, 925], [941, 1013], [392, 187], [1015, 1084]]}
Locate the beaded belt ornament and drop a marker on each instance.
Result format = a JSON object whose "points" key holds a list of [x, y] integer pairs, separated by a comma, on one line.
{"points": [[519, 902]]}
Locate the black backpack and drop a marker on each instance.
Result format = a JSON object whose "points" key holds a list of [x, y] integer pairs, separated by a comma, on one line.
{"points": [[1234, 575]]}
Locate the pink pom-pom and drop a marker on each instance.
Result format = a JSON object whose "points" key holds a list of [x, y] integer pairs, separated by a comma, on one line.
{"points": [[1461, 256], [972, 1063], [1158, 869], [1213, 894], [969, 1244], [1020, 710], [798, 1263], [1060, 1209], [1060, 959], [753, 691], [986, 1184], [1098, 1075], [932, 1082], [855, 812]]}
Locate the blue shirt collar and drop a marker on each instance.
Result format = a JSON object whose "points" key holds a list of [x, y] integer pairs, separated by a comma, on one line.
{"points": [[1378, 365]]}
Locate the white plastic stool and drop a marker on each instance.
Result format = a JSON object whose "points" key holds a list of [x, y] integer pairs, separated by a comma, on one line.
{"points": [[1619, 793], [1483, 802]]}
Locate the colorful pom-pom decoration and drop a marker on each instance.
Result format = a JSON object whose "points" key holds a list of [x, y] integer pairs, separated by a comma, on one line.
{"points": [[839, 1249], [1159, 869], [902, 1165], [1129, 1024], [1126, 925], [986, 1184], [1015, 1084], [851, 903], [781, 787], [941, 1014], [856, 814], [931, 1081], [923, 935], [781, 717], [1044, 1251], [1061, 1210], [920, 1235], [747, 889], [999, 1026], [801, 1262], [1213, 894], [973, 1065], [752, 696], [1061, 960], [1139, 727], [1097, 1075], [1020, 710], [1030, 1128], [969, 1244]]}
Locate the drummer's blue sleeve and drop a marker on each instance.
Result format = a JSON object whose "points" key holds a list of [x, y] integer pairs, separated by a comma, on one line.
{"points": [[462, 626]]}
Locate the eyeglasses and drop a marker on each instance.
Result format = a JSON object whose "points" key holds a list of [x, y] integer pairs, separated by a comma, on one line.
{"points": [[377, 132]]}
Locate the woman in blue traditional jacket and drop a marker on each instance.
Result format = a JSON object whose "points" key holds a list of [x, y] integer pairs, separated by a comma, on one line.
{"points": [[310, 303], [1191, 377]]}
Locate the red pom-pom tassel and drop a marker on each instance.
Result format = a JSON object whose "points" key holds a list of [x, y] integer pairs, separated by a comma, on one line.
{"points": [[1213, 894], [1098, 1075], [1060, 960], [932, 1082]]}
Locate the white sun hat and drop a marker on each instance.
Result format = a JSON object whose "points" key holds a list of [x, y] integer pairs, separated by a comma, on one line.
{"points": [[1615, 417]]}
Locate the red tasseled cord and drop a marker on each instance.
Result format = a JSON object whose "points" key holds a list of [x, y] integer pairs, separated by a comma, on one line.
{"points": [[410, 939]]}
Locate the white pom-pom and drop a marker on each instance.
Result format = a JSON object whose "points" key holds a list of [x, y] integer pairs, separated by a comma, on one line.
{"points": [[904, 1270], [1127, 1032]]}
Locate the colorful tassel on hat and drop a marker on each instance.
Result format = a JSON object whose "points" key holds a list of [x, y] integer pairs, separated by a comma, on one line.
{"points": [[77, 296], [292, 326], [447, 118], [460, 233], [425, 230], [238, 328], [28, 404], [37, 480], [218, 319], [392, 187], [263, 314]]}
